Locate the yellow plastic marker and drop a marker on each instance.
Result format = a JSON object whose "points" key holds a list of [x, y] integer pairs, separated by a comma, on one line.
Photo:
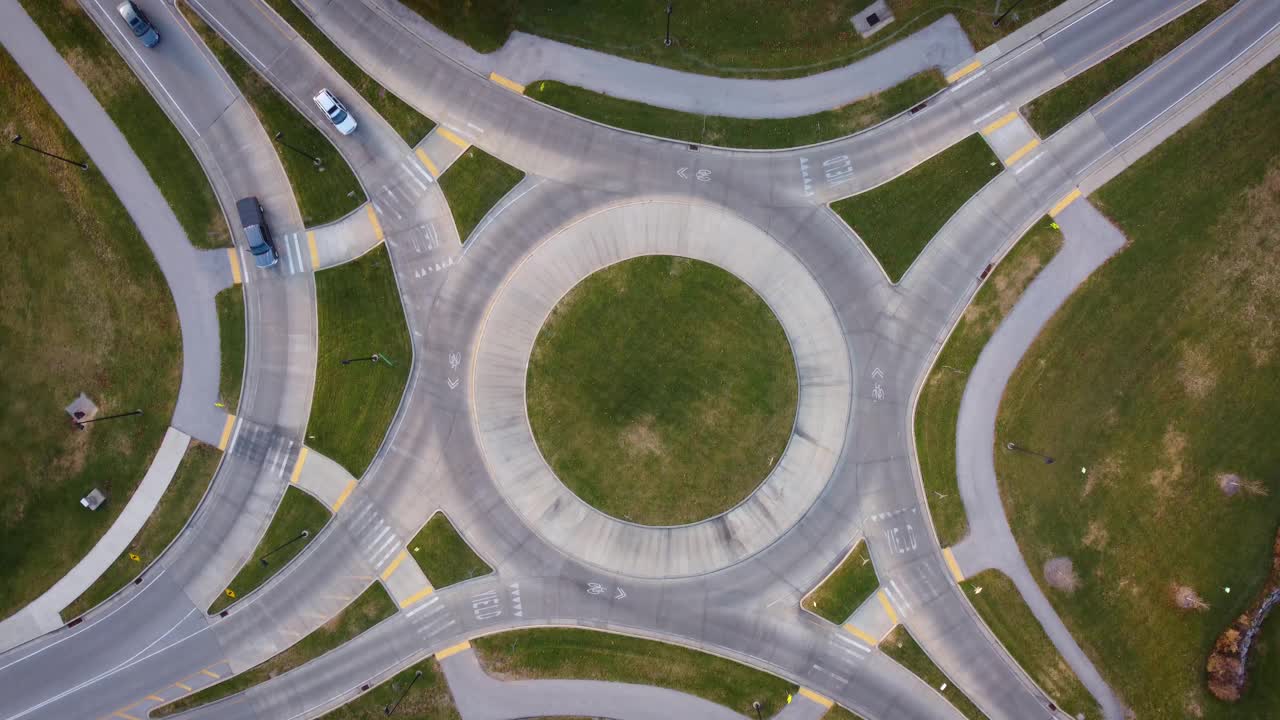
{"points": [[226, 431], [1021, 152], [426, 161], [373, 220], [230, 593], [861, 634], [346, 492], [235, 266], [395, 564], [453, 137], [1064, 202], [507, 83], [888, 607], [297, 466], [1000, 123], [315, 253], [951, 563], [824, 702], [454, 650], [416, 596], [964, 71], [134, 557]]}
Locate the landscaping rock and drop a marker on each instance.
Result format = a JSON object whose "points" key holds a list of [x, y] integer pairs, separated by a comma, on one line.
{"points": [[1228, 666]]}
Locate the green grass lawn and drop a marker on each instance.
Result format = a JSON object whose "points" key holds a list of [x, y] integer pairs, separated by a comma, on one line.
{"points": [[903, 649], [661, 390], [938, 408], [1159, 375], [898, 219], [298, 511], [445, 558], [152, 136], [739, 132], [427, 699], [230, 304], [473, 185], [411, 125], [845, 589], [1004, 611], [176, 505], [576, 654], [372, 607], [360, 314], [739, 38], [1053, 110], [83, 308], [322, 196], [838, 713]]}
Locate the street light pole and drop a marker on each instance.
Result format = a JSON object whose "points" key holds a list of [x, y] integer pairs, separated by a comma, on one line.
{"points": [[280, 139], [81, 423], [1012, 446], [667, 42], [755, 705], [996, 22], [371, 358], [17, 140], [392, 708], [301, 535]]}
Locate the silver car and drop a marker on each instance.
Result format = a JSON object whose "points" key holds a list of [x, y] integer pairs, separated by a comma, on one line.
{"points": [[335, 111], [139, 23]]}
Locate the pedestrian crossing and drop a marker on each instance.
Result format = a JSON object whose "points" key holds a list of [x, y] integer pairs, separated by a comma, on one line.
{"points": [[295, 256]]}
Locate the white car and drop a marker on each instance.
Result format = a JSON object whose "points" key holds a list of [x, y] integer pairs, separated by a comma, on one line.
{"points": [[336, 111]]}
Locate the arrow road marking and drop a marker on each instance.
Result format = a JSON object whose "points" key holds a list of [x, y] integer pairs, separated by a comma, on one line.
{"points": [[683, 173], [453, 383], [621, 594]]}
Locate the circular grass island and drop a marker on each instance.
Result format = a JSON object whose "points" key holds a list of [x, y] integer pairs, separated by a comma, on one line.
{"points": [[661, 390]]}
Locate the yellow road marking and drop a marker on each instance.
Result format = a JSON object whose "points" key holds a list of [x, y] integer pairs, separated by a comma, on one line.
{"points": [[297, 466], [416, 596], [431, 167], [453, 137], [315, 253], [226, 431], [270, 16], [464, 645], [964, 71], [888, 607], [395, 564], [824, 702], [123, 714], [154, 698], [1000, 123], [507, 83], [861, 634], [951, 563], [1022, 151], [373, 220], [211, 673], [346, 492], [182, 686], [1064, 202], [235, 266]]}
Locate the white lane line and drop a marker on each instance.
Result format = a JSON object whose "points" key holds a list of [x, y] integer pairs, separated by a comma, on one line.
{"points": [[424, 606], [968, 80], [405, 166], [1028, 163], [1061, 30], [389, 542], [150, 72], [227, 32], [999, 107], [378, 538]]}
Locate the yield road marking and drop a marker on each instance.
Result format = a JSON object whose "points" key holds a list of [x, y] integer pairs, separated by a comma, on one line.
{"points": [[373, 220], [226, 431], [888, 607], [395, 564], [964, 71], [297, 466], [416, 596], [235, 266], [346, 492], [507, 83], [453, 137], [1022, 152], [453, 650], [953, 565], [811, 695], [1000, 123], [1064, 202], [315, 253], [861, 634]]}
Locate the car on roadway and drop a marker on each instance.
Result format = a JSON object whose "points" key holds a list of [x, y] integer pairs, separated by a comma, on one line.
{"points": [[256, 232], [139, 23], [336, 111]]}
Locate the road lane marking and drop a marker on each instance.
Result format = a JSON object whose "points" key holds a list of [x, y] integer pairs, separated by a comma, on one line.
{"points": [[297, 466], [811, 695], [951, 563], [226, 431], [1073, 22], [129, 41], [315, 252], [1000, 123], [210, 673], [235, 266], [1021, 152], [373, 220], [123, 714], [416, 596], [431, 167], [964, 71], [888, 606], [1064, 202], [861, 634], [507, 83], [395, 564], [346, 492], [453, 650], [453, 137], [182, 686], [154, 698]]}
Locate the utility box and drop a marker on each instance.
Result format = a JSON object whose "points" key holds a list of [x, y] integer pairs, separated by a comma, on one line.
{"points": [[94, 499], [871, 18]]}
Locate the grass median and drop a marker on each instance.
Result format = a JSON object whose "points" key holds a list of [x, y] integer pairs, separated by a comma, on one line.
{"points": [[231, 334], [903, 649], [839, 713], [845, 589], [739, 132], [325, 192], [429, 699], [573, 654], [372, 607], [1053, 110], [162, 149], [360, 316], [938, 407], [1004, 611], [410, 124], [445, 558], [298, 512], [83, 309], [898, 219], [1158, 378], [473, 184], [180, 499], [744, 38]]}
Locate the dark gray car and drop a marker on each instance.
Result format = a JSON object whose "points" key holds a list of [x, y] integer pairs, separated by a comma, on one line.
{"points": [[257, 232], [139, 23]]}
